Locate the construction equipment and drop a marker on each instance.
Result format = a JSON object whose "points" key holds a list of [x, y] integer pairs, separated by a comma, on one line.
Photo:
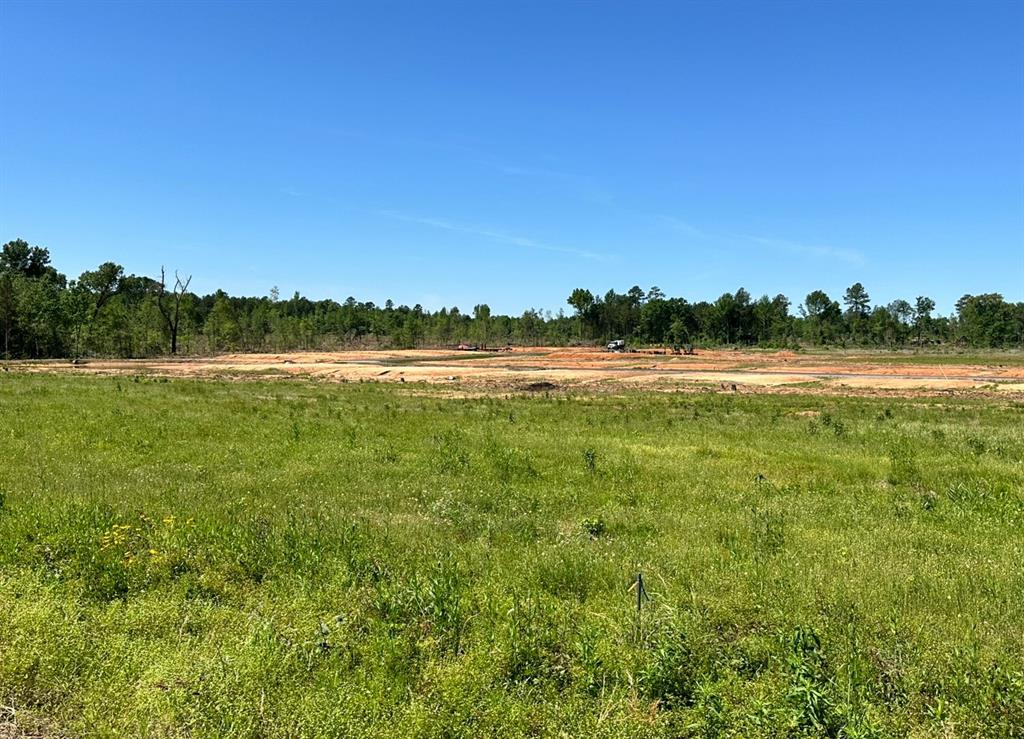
{"points": [[618, 345]]}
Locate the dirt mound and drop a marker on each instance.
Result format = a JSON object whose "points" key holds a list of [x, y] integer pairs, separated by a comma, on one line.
{"points": [[536, 387]]}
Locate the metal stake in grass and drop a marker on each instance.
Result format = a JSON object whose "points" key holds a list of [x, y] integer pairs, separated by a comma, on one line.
{"points": [[641, 592], [641, 596]]}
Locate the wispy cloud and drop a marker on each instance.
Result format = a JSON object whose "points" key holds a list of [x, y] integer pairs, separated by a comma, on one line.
{"points": [[679, 225], [291, 191], [732, 241], [492, 234], [537, 172], [582, 185], [850, 256]]}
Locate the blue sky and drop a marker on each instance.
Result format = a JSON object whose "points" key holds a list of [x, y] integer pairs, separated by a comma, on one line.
{"points": [[453, 153]]}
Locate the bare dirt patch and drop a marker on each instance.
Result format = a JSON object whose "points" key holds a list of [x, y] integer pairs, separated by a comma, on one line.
{"points": [[534, 368]]}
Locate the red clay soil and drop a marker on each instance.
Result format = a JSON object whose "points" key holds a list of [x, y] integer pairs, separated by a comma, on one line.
{"points": [[733, 371]]}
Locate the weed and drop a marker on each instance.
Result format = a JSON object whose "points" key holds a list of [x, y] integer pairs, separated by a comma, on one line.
{"points": [[450, 452], [830, 422], [768, 531], [809, 684], [903, 468], [670, 672], [511, 464], [594, 527]]}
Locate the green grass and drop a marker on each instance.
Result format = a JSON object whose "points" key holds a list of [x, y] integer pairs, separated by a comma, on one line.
{"points": [[206, 558], [930, 356]]}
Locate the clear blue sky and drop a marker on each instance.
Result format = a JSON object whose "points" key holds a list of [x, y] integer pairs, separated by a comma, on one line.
{"points": [[452, 153]]}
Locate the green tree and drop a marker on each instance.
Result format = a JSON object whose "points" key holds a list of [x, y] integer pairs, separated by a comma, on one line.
{"points": [[823, 316], [17, 257], [986, 320], [857, 300], [530, 326], [482, 321], [40, 317], [8, 309], [923, 308], [771, 320], [678, 333], [901, 312], [221, 328], [725, 318], [582, 301], [655, 320], [94, 289], [858, 305], [31, 321]]}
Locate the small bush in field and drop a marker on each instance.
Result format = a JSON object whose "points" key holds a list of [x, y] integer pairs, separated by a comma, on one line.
{"points": [[594, 527], [590, 460]]}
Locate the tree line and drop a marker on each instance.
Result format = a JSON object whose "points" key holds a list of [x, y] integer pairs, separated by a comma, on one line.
{"points": [[106, 312]]}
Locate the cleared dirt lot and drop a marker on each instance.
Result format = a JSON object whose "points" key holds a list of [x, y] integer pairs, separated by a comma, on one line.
{"points": [[541, 368]]}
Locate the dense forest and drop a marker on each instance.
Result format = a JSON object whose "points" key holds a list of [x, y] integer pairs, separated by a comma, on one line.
{"points": [[106, 312]]}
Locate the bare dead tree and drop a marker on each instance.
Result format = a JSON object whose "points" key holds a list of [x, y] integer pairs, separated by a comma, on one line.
{"points": [[170, 304]]}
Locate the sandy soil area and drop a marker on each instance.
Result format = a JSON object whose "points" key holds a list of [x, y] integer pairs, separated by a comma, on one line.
{"points": [[551, 368]]}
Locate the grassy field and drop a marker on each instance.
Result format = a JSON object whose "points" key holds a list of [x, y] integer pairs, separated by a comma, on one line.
{"points": [[1006, 358], [285, 558]]}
